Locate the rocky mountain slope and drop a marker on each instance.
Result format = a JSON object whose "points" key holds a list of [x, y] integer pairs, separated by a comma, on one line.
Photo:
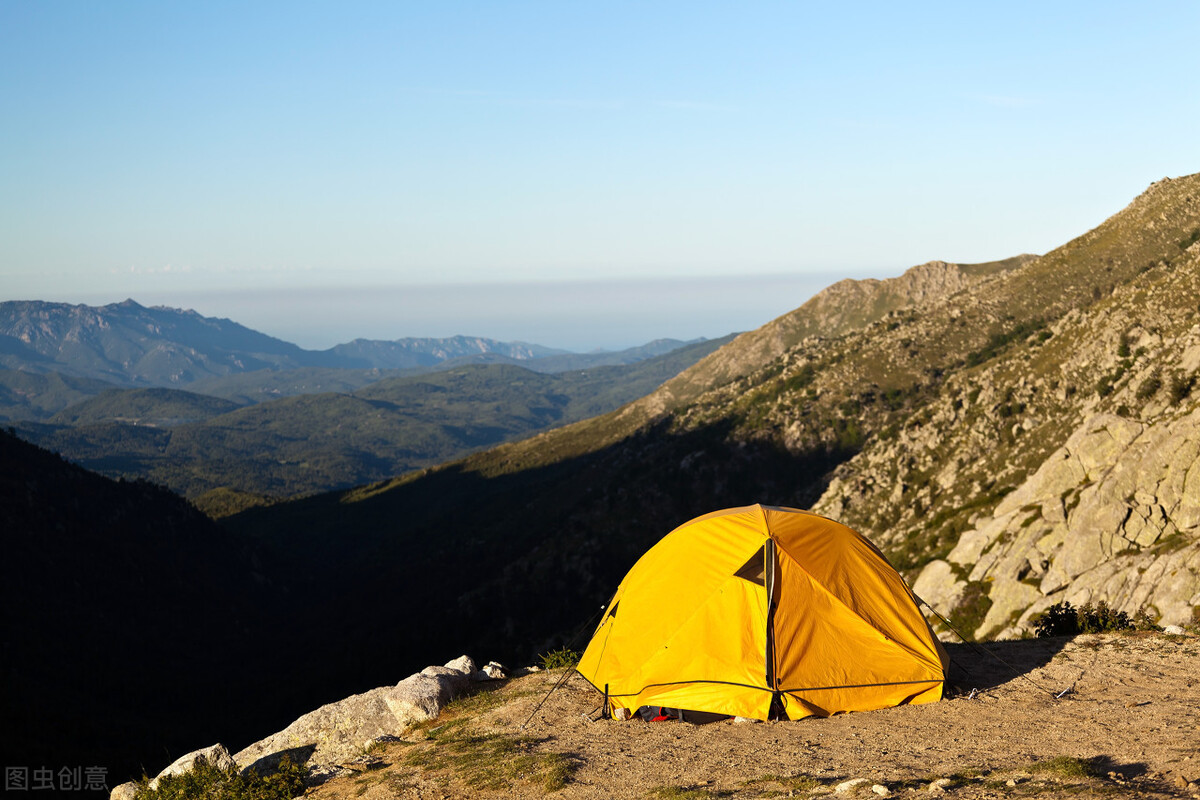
{"points": [[1058, 465], [845, 306], [912, 427], [131, 345]]}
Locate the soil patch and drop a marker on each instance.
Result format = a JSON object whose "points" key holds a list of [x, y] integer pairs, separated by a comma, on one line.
{"points": [[1127, 724]]}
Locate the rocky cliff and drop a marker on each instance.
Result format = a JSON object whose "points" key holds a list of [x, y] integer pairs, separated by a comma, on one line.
{"points": [[1059, 467]]}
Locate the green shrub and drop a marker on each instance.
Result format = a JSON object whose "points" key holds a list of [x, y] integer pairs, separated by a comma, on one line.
{"points": [[1150, 386], [1180, 387], [563, 657], [999, 341], [1063, 619], [1190, 239], [1123, 346], [207, 780]]}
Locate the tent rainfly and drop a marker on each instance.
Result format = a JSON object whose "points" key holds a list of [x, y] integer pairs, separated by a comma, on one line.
{"points": [[764, 612]]}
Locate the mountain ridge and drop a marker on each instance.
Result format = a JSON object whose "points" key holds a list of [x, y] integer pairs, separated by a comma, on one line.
{"points": [[131, 345]]}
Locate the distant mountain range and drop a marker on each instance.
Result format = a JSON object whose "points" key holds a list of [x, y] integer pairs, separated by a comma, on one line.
{"points": [[209, 407], [126, 345]]}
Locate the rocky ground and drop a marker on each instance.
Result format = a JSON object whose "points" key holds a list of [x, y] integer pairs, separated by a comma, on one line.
{"points": [[1127, 724]]}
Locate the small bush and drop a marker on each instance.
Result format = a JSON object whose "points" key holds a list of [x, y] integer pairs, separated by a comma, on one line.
{"points": [[1063, 619], [1189, 240], [999, 341], [1180, 387], [207, 780], [1150, 386], [563, 657]]}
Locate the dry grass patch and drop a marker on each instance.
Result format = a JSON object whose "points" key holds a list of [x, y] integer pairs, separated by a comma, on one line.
{"points": [[491, 761]]}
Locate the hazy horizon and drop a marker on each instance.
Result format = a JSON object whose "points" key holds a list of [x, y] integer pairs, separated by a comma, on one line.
{"points": [[580, 316]]}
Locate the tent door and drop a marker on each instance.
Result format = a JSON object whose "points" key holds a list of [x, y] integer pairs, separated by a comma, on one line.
{"points": [[771, 571]]}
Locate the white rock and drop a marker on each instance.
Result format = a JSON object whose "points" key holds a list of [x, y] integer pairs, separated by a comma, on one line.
{"points": [[746, 719], [463, 664], [124, 791], [1174, 630], [848, 786], [521, 671], [335, 732], [881, 790], [215, 754], [939, 586]]}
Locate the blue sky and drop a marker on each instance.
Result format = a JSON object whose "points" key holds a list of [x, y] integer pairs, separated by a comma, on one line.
{"points": [[235, 157]]}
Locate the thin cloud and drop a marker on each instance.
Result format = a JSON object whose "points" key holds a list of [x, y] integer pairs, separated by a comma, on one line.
{"points": [[508, 99], [166, 269], [689, 105], [1005, 100]]}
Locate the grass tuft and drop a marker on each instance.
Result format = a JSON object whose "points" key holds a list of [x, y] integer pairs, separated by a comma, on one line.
{"points": [[1064, 767], [492, 761]]}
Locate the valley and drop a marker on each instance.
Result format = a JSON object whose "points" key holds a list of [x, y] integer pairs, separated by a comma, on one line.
{"points": [[1011, 435]]}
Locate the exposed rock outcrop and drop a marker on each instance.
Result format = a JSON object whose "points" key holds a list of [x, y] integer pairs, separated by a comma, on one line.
{"points": [[337, 731], [1114, 514], [1055, 462], [216, 755], [844, 306]]}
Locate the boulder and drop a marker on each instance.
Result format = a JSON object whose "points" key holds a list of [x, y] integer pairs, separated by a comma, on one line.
{"points": [[124, 791], [492, 671], [849, 786], [463, 664], [337, 732], [421, 696], [216, 754]]}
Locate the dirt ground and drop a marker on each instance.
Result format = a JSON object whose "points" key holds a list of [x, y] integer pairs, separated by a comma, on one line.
{"points": [[1128, 725]]}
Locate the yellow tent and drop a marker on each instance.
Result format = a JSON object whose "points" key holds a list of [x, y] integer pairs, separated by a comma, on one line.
{"points": [[690, 626]]}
